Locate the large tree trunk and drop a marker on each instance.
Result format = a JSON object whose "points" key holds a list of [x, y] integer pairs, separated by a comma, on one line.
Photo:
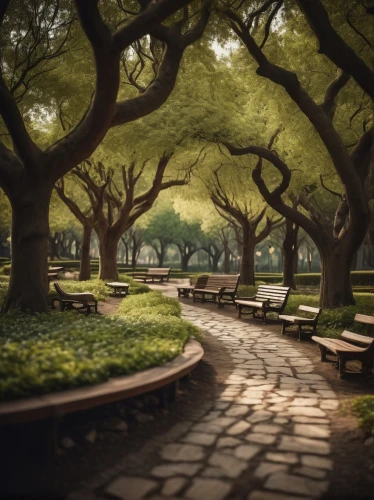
{"points": [[185, 258], [108, 245], [85, 266], [290, 254], [247, 265], [336, 287], [28, 286]]}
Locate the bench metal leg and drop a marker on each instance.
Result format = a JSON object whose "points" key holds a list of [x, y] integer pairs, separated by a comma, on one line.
{"points": [[299, 332], [323, 350], [341, 365]]}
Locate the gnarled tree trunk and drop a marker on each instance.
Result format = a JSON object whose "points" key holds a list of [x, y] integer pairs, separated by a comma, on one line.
{"points": [[247, 264], [108, 245], [290, 254], [28, 286]]}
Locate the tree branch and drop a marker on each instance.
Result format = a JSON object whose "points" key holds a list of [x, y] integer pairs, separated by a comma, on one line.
{"points": [[334, 47]]}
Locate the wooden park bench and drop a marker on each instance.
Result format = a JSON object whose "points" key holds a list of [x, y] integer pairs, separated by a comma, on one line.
{"points": [[268, 298], [153, 273], [306, 317], [184, 291], [84, 301], [349, 351], [223, 286]]}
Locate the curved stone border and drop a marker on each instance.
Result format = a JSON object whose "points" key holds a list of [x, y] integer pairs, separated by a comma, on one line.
{"points": [[60, 403]]}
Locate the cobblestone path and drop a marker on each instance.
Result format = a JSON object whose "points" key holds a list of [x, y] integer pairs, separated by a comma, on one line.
{"points": [[267, 433]]}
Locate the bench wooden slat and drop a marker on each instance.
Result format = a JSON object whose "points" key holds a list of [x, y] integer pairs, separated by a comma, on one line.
{"points": [[363, 318], [355, 337]]}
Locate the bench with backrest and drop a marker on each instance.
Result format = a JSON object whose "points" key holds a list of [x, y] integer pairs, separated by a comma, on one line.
{"points": [[269, 298], [184, 291], [349, 351], [153, 273], [84, 301], [221, 286], [306, 316]]}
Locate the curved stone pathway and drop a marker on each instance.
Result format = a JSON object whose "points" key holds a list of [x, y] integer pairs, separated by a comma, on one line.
{"points": [[266, 434]]}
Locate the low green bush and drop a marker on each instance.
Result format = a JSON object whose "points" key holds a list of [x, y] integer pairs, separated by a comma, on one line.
{"points": [[3, 291], [359, 278], [153, 303], [51, 352], [363, 408]]}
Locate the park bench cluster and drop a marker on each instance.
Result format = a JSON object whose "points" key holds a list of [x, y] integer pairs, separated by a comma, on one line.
{"points": [[273, 298]]}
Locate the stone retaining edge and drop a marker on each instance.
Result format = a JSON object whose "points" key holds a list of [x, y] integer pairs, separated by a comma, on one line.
{"points": [[59, 403]]}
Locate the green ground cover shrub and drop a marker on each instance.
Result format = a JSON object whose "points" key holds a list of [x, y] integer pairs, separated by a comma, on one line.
{"points": [[3, 291], [363, 408], [51, 352], [153, 303]]}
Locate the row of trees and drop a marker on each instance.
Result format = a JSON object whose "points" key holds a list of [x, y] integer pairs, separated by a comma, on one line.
{"points": [[290, 143]]}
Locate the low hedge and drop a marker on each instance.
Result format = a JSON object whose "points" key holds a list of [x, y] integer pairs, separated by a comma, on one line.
{"points": [[359, 278], [154, 303], [51, 352]]}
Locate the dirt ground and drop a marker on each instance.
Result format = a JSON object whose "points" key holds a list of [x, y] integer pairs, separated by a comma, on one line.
{"points": [[26, 476]]}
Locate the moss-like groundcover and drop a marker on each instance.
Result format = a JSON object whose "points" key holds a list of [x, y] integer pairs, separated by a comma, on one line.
{"points": [[363, 408], [51, 352]]}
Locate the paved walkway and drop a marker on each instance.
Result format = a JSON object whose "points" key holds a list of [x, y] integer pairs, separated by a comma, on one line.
{"points": [[268, 431]]}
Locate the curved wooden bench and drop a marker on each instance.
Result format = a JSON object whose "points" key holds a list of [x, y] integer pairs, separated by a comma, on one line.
{"points": [[60, 403]]}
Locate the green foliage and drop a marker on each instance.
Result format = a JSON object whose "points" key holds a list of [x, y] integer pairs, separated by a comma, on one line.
{"points": [[153, 303], [363, 408], [3, 291], [52, 352]]}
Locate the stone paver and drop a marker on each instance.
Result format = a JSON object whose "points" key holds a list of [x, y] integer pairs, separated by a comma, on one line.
{"points": [[270, 422]]}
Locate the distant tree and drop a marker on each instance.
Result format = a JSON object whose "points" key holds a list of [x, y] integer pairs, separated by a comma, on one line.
{"points": [[117, 204]]}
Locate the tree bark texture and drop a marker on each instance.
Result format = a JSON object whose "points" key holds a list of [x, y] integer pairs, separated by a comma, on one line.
{"points": [[28, 286], [85, 266], [290, 254], [247, 263]]}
